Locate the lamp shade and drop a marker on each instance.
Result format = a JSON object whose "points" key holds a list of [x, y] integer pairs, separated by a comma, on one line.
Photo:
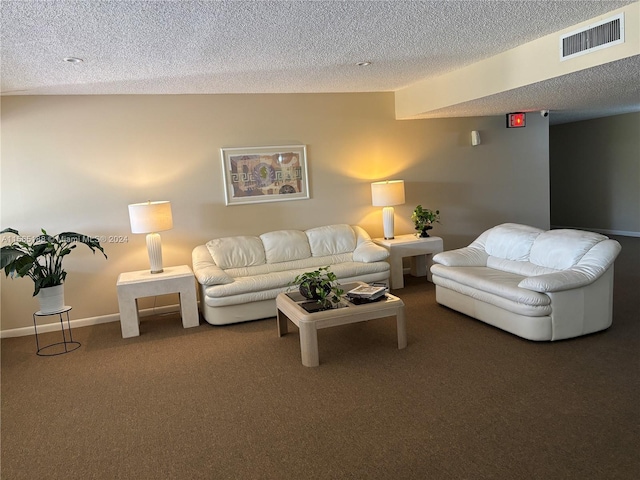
{"points": [[387, 193], [150, 217]]}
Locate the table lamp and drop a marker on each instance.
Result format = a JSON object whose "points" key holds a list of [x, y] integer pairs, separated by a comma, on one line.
{"points": [[151, 218], [387, 194]]}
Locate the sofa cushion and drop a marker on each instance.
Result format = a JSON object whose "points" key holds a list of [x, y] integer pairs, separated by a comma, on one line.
{"points": [[310, 263], [237, 252], [511, 241], [331, 240], [285, 246], [526, 269], [282, 279], [563, 248], [496, 282], [499, 301]]}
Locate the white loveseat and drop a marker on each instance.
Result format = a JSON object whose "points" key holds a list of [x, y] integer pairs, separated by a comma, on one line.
{"points": [[240, 277], [539, 285]]}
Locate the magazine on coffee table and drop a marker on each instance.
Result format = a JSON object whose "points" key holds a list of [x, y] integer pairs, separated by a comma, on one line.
{"points": [[366, 292]]}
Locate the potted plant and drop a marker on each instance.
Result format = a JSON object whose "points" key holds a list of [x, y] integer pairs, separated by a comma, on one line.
{"points": [[40, 259], [321, 285], [423, 218]]}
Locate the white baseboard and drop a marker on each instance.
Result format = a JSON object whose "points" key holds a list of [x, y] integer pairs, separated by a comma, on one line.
{"points": [[85, 322], [622, 233]]}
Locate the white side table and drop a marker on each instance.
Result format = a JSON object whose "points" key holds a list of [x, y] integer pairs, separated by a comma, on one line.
{"points": [[421, 251], [143, 283]]}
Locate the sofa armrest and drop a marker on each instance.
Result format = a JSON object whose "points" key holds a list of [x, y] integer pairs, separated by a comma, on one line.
{"points": [[591, 267], [206, 270], [366, 251], [462, 257], [558, 281]]}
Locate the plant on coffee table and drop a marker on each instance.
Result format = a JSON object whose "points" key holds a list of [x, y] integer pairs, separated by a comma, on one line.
{"points": [[321, 285]]}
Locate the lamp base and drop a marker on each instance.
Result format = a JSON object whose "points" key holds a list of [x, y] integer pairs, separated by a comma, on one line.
{"points": [[154, 249], [387, 222]]}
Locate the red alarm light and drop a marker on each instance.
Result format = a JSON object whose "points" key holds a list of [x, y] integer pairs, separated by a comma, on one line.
{"points": [[516, 120]]}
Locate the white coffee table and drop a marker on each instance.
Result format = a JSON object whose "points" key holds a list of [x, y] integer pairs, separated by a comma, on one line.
{"points": [[420, 249], [310, 323], [143, 283]]}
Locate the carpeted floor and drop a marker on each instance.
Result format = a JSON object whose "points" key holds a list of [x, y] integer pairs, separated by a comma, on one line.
{"points": [[464, 400]]}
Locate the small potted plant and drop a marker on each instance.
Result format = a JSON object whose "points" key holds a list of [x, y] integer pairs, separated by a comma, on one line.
{"points": [[423, 218], [321, 285], [40, 259]]}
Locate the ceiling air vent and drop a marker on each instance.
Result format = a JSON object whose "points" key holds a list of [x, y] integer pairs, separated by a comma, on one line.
{"points": [[606, 33]]}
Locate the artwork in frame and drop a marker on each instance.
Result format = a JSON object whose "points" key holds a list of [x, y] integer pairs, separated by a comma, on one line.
{"points": [[265, 174]]}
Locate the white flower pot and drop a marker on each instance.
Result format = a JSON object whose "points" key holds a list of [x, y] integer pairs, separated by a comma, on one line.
{"points": [[51, 299]]}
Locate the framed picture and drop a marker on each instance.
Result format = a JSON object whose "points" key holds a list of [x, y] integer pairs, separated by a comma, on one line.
{"points": [[265, 174]]}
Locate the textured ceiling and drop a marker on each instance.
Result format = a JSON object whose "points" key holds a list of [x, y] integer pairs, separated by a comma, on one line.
{"points": [[181, 47]]}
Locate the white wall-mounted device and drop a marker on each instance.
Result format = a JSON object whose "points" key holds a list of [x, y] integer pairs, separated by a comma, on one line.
{"points": [[475, 138]]}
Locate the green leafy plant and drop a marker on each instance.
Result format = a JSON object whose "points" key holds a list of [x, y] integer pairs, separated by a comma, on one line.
{"points": [[40, 258], [321, 285], [422, 218]]}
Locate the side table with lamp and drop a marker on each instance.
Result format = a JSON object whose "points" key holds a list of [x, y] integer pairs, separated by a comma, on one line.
{"points": [[151, 218]]}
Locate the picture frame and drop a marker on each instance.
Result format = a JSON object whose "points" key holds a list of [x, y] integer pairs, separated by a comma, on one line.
{"points": [[264, 174]]}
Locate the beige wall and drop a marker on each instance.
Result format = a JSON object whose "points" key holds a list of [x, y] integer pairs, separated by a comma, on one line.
{"points": [[595, 174], [76, 162]]}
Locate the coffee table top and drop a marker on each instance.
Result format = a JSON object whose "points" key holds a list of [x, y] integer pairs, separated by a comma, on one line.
{"points": [[293, 309]]}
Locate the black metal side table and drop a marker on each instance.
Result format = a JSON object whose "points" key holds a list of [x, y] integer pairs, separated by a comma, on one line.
{"points": [[68, 345]]}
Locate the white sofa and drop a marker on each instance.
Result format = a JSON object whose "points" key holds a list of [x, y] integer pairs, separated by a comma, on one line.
{"points": [[539, 285], [240, 277]]}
